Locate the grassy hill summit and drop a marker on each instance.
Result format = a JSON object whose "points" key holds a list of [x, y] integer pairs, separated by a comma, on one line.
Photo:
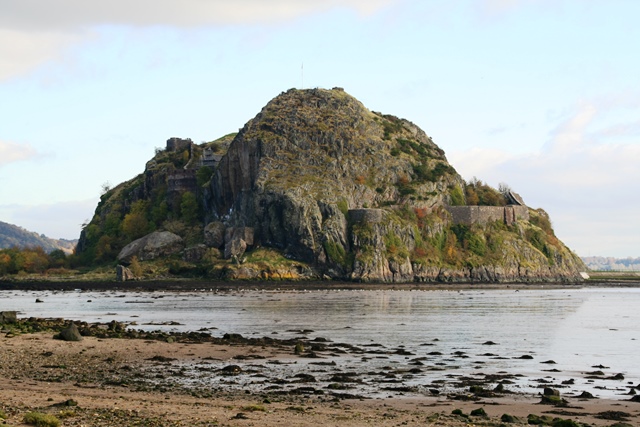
{"points": [[318, 186]]}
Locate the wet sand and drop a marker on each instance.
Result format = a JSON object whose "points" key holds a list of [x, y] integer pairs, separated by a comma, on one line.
{"points": [[103, 381]]}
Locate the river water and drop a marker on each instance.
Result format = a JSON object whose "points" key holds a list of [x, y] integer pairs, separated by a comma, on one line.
{"points": [[575, 328]]}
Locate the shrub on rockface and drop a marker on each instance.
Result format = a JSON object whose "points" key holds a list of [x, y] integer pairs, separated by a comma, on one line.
{"points": [[456, 197], [480, 194]]}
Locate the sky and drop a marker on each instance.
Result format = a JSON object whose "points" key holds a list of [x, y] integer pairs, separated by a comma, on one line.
{"points": [[543, 95]]}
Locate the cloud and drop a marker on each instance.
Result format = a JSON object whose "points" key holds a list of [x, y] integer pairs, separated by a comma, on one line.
{"points": [[478, 162], [21, 51], [77, 14], [588, 181], [33, 32], [573, 157], [629, 129], [11, 152]]}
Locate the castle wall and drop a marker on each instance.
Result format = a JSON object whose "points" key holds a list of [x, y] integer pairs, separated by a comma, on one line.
{"points": [[485, 214], [178, 144], [181, 181]]}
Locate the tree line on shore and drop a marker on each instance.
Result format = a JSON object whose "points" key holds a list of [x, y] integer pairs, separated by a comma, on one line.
{"points": [[34, 260]]}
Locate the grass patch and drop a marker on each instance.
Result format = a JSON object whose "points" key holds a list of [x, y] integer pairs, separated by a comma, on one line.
{"points": [[335, 252], [343, 206], [264, 257], [41, 420], [396, 249]]}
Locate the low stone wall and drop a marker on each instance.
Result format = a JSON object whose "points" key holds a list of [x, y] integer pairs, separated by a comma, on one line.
{"points": [[485, 214]]}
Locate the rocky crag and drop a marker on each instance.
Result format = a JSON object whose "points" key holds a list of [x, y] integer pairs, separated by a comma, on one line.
{"points": [[316, 185]]}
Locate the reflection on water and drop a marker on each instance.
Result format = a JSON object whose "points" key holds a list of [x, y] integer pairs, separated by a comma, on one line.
{"points": [[576, 328]]}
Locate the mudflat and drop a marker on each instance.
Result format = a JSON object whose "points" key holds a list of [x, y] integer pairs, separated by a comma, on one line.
{"points": [[185, 381]]}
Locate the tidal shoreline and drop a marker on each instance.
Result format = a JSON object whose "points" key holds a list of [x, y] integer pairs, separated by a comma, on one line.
{"points": [[110, 378], [195, 285]]}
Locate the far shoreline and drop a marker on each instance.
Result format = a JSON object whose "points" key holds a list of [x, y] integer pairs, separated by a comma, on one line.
{"points": [[190, 285]]}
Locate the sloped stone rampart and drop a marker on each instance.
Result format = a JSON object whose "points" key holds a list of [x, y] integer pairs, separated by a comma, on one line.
{"points": [[485, 214]]}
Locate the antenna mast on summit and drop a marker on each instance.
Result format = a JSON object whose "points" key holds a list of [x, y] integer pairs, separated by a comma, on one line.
{"points": [[302, 76]]}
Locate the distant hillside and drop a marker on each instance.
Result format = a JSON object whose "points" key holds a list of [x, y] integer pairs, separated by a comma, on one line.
{"points": [[612, 264], [14, 236]]}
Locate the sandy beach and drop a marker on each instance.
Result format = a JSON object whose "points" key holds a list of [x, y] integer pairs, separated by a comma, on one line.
{"points": [[105, 381]]}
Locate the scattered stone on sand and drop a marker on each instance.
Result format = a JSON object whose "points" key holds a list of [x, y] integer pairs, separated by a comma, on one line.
{"points": [[70, 333], [8, 316], [586, 395]]}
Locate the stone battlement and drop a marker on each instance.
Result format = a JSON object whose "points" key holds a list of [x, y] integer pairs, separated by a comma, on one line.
{"points": [[178, 144], [509, 214]]}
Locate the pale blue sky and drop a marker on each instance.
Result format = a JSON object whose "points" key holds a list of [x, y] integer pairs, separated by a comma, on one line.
{"points": [[541, 94]]}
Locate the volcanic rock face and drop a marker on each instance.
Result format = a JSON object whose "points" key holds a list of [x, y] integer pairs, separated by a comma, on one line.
{"points": [[309, 158], [295, 170], [340, 191]]}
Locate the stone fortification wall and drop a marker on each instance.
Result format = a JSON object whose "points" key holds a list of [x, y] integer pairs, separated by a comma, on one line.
{"points": [[513, 213], [178, 144], [485, 214], [181, 181]]}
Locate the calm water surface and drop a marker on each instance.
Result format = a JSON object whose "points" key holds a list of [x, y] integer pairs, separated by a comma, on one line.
{"points": [[577, 328]]}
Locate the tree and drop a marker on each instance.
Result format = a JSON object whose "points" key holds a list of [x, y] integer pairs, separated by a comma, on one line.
{"points": [[203, 175], [57, 258], [104, 249], [105, 188], [504, 188], [160, 213], [35, 260], [135, 224], [472, 196], [5, 262], [189, 208]]}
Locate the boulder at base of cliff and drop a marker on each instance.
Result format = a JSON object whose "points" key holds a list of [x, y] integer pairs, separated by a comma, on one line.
{"points": [[237, 240], [214, 234], [155, 245]]}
